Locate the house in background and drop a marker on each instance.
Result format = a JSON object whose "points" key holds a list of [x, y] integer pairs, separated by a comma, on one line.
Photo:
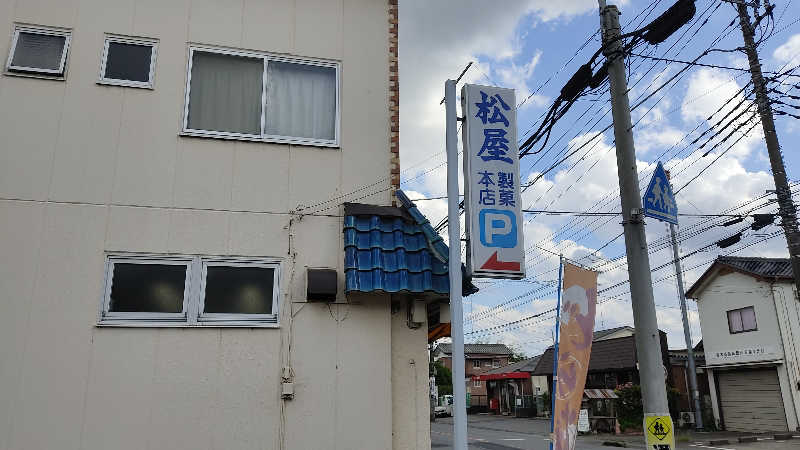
{"points": [[613, 361], [479, 358], [513, 389], [177, 267], [679, 379], [750, 320]]}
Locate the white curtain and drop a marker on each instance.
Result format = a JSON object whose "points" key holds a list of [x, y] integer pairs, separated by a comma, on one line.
{"points": [[40, 51], [301, 100], [225, 93]]}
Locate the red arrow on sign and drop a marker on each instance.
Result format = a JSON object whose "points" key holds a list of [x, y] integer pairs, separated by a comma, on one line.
{"points": [[493, 264]]}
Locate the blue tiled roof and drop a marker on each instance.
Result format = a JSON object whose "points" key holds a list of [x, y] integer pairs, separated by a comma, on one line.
{"points": [[394, 250]]}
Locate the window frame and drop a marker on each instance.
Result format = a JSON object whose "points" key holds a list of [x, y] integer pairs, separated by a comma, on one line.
{"points": [[476, 363], [230, 318], [262, 137], [116, 38], [60, 73], [106, 315], [476, 383], [739, 310], [495, 363], [193, 296]]}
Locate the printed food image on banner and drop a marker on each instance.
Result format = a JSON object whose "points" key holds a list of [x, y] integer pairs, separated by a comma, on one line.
{"points": [[578, 306]]}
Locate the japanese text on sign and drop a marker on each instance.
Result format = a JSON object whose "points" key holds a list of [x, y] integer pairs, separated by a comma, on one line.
{"points": [[492, 190]]}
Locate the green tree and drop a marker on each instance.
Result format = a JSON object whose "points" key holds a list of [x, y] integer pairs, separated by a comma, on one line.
{"points": [[444, 378], [629, 407], [517, 354]]}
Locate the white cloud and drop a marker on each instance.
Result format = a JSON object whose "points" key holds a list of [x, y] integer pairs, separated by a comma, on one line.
{"points": [[789, 52], [433, 47]]}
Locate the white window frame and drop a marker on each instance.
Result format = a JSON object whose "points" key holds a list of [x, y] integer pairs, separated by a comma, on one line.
{"points": [[110, 316], [193, 295], [59, 73], [476, 363], [495, 363], [232, 318], [152, 43], [262, 137]]}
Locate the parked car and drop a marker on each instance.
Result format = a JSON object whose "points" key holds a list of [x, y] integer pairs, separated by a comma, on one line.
{"points": [[445, 407]]}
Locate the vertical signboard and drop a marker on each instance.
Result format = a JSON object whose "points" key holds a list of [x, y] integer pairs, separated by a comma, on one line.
{"points": [[574, 350], [492, 203]]}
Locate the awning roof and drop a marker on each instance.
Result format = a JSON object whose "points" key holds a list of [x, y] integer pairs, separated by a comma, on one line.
{"points": [[502, 376], [599, 393]]}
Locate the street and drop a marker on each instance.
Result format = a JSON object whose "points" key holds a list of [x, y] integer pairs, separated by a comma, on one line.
{"points": [[502, 433]]}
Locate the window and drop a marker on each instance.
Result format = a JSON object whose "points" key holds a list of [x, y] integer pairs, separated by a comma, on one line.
{"points": [[495, 363], [476, 364], [190, 290], [128, 62], [476, 383], [742, 320], [38, 51], [488, 363], [255, 96]]}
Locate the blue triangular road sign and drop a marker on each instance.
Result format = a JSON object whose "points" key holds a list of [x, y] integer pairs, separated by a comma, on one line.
{"points": [[658, 201]]}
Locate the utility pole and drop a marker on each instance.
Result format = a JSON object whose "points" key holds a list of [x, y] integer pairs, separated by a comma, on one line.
{"points": [[454, 269], [648, 340], [786, 207], [687, 334]]}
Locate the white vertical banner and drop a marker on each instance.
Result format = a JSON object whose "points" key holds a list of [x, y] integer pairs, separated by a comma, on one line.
{"points": [[492, 203]]}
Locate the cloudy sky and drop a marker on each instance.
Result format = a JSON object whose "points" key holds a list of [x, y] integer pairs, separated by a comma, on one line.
{"points": [[534, 46]]}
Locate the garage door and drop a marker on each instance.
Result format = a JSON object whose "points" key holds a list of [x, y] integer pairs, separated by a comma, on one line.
{"points": [[751, 400]]}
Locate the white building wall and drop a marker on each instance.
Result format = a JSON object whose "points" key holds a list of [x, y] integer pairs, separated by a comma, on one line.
{"points": [[778, 322], [733, 291], [87, 169]]}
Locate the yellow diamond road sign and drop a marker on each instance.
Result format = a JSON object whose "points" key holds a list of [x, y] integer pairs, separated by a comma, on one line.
{"points": [[659, 433]]}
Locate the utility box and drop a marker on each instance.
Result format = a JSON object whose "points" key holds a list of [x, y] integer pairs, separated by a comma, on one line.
{"points": [[321, 285]]}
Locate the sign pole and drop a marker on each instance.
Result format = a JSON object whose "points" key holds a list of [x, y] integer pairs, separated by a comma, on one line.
{"points": [[454, 268], [687, 334]]}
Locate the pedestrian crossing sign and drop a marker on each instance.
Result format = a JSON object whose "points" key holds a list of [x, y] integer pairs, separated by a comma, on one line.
{"points": [[659, 201], [658, 432]]}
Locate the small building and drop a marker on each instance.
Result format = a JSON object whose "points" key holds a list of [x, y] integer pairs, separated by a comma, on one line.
{"points": [[511, 389], [479, 358], [750, 320]]}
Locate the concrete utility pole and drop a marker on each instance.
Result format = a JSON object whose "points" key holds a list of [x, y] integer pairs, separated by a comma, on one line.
{"points": [[648, 341], [454, 269], [687, 334], [786, 207]]}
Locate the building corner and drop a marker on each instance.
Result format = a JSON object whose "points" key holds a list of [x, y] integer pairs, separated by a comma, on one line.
{"points": [[394, 103]]}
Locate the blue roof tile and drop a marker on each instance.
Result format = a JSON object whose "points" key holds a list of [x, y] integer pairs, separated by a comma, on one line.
{"points": [[395, 250]]}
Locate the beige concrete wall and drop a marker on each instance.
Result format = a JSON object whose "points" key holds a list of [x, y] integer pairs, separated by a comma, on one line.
{"points": [[87, 169], [411, 428]]}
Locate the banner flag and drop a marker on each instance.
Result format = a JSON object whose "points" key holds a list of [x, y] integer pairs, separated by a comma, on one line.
{"points": [[578, 306]]}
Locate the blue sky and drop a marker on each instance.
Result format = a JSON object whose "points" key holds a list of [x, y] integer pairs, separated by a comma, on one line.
{"points": [[523, 44]]}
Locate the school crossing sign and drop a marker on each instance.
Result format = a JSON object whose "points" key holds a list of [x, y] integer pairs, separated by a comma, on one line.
{"points": [[492, 203], [659, 201]]}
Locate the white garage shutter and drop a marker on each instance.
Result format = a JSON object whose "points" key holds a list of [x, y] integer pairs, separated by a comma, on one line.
{"points": [[751, 400]]}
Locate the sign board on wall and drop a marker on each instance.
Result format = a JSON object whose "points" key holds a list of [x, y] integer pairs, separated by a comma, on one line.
{"points": [[583, 421], [492, 203]]}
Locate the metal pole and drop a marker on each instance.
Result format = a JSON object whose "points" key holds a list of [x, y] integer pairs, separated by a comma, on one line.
{"points": [[555, 350], [687, 333], [648, 341], [786, 207], [454, 268]]}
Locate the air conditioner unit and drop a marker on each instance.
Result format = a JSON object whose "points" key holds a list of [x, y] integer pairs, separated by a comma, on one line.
{"points": [[687, 417]]}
